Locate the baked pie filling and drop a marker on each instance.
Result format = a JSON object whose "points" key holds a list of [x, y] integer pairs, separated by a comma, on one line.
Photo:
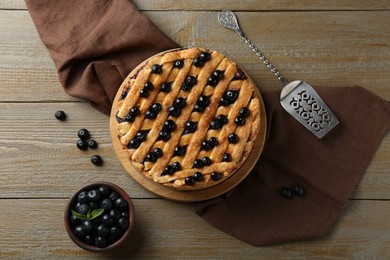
{"points": [[188, 118]]}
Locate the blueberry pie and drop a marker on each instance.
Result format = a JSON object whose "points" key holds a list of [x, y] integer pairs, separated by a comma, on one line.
{"points": [[187, 118]]}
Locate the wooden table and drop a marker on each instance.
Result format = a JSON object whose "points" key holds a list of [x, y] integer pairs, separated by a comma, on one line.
{"points": [[335, 42]]}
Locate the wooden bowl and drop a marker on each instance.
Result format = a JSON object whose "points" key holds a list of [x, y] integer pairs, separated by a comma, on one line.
{"points": [[70, 228]]}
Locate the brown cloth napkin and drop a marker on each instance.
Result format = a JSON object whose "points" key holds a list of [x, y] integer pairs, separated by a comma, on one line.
{"points": [[95, 44], [328, 169]]}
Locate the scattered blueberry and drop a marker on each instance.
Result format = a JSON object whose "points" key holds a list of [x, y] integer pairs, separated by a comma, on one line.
{"points": [[92, 144], [60, 115], [83, 134], [286, 193], [97, 160], [240, 75], [299, 190], [82, 144]]}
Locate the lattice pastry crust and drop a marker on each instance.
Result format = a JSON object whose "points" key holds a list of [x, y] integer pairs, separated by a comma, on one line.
{"points": [[188, 118]]}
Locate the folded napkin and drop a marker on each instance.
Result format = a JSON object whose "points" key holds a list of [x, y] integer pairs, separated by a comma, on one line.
{"points": [[95, 44]]}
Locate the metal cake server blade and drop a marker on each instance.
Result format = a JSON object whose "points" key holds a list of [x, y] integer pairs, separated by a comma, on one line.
{"points": [[298, 98]]}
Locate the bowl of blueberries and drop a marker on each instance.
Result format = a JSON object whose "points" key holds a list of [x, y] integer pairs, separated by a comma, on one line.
{"points": [[99, 216]]}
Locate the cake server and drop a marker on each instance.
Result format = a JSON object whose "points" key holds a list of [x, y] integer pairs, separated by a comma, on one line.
{"points": [[298, 98]]}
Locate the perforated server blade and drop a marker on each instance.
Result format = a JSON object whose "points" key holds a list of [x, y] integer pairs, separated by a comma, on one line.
{"points": [[298, 98]]}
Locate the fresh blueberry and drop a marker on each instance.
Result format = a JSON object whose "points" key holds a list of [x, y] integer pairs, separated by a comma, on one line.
{"points": [[231, 95], [175, 112], [92, 205], [206, 161], [82, 144], [144, 93], [150, 157], [233, 138], [115, 214], [100, 242], [244, 111], [213, 141], [215, 176], [204, 56], [169, 126], [83, 209], [222, 119], [211, 81], [156, 68], [60, 115], [105, 190], [178, 64], [94, 195], [165, 136], [113, 196], [88, 239], [190, 127], [198, 163], [96, 159], [80, 232], [198, 62], [206, 145], [130, 118], [226, 157], [82, 197], [179, 103], [134, 111], [286, 193], [166, 87], [150, 114], [158, 152], [224, 102], [198, 176], [299, 190], [168, 171], [239, 120], [190, 181], [218, 74], [176, 166], [240, 75], [83, 134], [121, 204], [106, 204], [179, 150], [87, 226], [123, 223], [134, 144], [156, 107], [92, 144]]}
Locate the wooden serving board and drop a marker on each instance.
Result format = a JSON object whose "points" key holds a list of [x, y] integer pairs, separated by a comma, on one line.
{"points": [[193, 195]]}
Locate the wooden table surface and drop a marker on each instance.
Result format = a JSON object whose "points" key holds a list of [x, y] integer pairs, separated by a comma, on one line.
{"points": [[334, 42]]}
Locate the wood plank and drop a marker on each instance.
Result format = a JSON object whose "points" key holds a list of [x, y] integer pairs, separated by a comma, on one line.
{"points": [[272, 5], [40, 158], [170, 230], [350, 48]]}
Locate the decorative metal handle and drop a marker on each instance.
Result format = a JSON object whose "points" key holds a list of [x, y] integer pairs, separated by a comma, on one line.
{"points": [[229, 20]]}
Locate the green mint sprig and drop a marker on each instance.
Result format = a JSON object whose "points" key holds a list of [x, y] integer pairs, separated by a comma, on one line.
{"points": [[90, 215]]}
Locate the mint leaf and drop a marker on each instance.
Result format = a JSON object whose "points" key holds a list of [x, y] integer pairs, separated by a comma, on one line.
{"points": [[96, 213], [78, 215], [90, 215]]}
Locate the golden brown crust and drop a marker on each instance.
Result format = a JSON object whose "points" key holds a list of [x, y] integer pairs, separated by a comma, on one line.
{"points": [[140, 153]]}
